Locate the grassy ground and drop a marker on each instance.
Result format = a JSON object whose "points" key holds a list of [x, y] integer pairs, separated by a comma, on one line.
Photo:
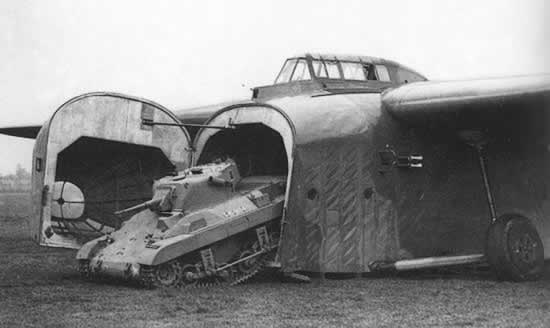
{"points": [[40, 287]]}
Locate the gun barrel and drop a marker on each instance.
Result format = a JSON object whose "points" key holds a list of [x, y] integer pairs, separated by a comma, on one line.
{"points": [[148, 204]]}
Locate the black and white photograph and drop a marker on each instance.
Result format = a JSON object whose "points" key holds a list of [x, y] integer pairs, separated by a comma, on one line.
{"points": [[274, 163]]}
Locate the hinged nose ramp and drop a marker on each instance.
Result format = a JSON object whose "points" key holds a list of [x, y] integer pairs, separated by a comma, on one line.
{"points": [[95, 156]]}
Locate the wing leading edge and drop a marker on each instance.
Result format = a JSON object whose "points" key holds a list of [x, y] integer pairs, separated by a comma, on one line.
{"points": [[467, 103]]}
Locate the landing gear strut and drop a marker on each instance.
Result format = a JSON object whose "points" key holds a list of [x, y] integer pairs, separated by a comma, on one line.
{"points": [[513, 247]]}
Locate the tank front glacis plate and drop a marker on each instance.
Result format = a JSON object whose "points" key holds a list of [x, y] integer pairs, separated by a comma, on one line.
{"points": [[124, 245]]}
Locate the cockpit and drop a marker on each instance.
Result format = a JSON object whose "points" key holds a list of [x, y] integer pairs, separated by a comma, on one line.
{"points": [[301, 69], [321, 74]]}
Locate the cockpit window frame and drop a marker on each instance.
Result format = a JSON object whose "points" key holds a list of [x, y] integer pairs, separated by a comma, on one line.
{"points": [[306, 69], [331, 60], [367, 67], [283, 68], [310, 61], [322, 65], [363, 66], [297, 60], [379, 75]]}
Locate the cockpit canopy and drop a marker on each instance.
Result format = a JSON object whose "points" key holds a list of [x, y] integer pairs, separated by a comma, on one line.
{"points": [[346, 68], [317, 74]]}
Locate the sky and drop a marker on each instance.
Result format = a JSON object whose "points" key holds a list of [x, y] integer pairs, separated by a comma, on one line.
{"points": [[190, 53]]}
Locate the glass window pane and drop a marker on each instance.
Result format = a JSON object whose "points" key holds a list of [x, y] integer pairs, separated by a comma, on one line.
{"points": [[318, 68], [286, 72], [333, 71], [353, 71], [301, 72], [382, 73]]}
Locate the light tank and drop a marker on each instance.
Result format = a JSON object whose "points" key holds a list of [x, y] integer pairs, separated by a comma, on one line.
{"points": [[205, 225]]}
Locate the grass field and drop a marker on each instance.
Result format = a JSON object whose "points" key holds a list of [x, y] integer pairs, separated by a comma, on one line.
{"points": [[39, 287]]}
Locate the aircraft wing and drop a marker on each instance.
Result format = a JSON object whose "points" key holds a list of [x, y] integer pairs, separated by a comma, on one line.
{"points": [[197, 115], [23, 131], [468, 103]]}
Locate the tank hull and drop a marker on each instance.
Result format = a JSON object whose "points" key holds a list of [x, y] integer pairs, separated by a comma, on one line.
{"points": [[207, 238]]}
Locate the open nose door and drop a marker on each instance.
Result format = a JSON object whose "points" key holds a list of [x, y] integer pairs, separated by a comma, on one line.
{"points": [[97, 155]]}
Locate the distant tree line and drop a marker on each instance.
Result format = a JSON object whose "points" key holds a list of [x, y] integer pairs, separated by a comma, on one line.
{"points": [[20, 181]]}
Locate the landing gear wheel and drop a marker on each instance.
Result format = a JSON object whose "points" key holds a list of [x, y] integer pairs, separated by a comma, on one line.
{"points": [[168, 274], [514, 249]]}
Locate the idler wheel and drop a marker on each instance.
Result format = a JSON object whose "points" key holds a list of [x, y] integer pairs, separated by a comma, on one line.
{"points": [[514, 249]]}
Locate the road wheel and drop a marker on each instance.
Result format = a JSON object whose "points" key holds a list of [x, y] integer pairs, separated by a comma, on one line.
{"points": [[189, 275], [168, 274], [514, 249]]}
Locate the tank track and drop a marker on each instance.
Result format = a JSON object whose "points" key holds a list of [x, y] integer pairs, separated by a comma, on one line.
{"points": [[245, 276], [84, 269], [148, 276], [183, 272], [234, 273]]}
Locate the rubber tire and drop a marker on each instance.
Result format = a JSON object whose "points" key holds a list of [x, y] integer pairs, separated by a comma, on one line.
{"points": [[501, 238]]}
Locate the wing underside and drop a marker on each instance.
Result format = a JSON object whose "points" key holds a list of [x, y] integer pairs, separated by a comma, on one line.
{"points": [[25, 131]]}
